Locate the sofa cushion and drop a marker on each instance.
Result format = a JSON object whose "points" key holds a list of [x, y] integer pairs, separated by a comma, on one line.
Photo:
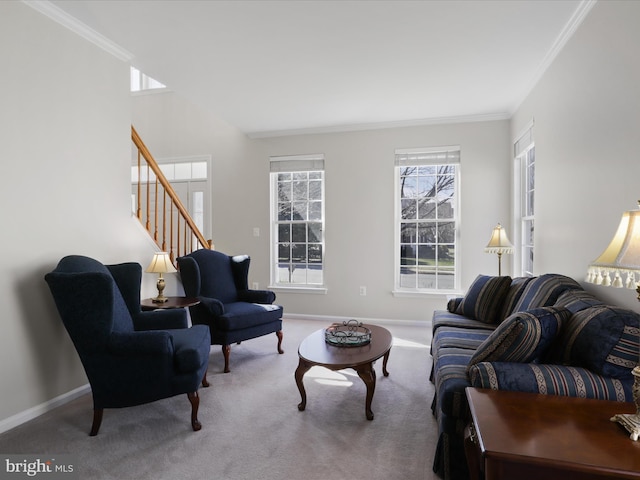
{"points": [[239, 315], [443, 318], [469, 338], [603, 339], [523, 337], [543, 291], [484, 298]]}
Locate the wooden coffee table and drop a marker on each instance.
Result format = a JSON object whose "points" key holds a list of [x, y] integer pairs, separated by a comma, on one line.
{"points": [[314, 350], [528, 436]]}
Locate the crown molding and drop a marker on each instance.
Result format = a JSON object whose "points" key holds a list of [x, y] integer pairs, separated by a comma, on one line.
{"points": [[489, 117], [61, 17]]}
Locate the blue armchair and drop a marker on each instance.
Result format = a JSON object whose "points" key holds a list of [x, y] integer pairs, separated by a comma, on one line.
{"points": [[232, 311], [130, 357]]}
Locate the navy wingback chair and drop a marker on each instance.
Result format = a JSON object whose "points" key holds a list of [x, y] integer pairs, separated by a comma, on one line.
{"points": [[130, 357], [233, 312]]}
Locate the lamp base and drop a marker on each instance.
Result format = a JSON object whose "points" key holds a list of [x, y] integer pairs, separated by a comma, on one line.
{"points": [[160, 285], [631, 421]]}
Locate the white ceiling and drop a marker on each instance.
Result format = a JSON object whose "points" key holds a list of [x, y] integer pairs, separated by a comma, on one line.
{"points": [[296, 66]]}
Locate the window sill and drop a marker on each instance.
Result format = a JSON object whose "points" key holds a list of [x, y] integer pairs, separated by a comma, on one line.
{"points": [[427, 294], [298, 289]]}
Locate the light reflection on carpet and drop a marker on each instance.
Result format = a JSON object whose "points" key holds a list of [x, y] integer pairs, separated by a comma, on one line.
{"points": [[400, 342], [324, 376]]}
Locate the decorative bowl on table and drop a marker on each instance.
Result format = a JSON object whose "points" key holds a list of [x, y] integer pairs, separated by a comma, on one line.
{"points": [[349, 333]]}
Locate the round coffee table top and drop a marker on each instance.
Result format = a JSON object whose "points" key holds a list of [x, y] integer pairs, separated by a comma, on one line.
{"points": [[314, 349]]}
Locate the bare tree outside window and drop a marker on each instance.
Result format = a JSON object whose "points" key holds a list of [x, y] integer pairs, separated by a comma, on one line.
{"points": [[427, 226], [299, 228]]}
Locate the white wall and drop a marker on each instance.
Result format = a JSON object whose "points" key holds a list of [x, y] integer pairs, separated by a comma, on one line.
{"points": [[359, 172], [359, 211], [65, 149], [587, 124]]}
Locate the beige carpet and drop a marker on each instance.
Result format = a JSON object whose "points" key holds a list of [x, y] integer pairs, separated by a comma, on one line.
{"points": [[252, 428]]}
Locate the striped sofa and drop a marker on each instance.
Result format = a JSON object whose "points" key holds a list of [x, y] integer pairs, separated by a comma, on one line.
{"points": [[542, 334]]}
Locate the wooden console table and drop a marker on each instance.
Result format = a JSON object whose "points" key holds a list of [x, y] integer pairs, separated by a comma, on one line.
{"points": [[525, 436]]}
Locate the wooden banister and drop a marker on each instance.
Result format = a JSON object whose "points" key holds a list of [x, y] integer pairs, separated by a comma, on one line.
{"points": [[169, 239]]}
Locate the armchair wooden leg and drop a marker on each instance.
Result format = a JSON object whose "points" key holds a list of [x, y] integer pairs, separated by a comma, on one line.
{"points": [[226, 351], [194, 398], [97, 421], [205, 382], [279, 334]]}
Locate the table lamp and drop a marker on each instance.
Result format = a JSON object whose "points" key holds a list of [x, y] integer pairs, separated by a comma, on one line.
{"points": [[622, 258], [499, 243], [161, 263]]}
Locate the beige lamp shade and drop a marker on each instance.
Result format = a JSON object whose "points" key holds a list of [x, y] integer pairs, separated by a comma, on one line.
{"points": [[161, 263], [621, 258], [499, 242]]}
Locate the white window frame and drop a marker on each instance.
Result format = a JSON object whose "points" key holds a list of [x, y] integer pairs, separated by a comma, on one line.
{"points": [[296, 164], [427, 156], [524, 201]]}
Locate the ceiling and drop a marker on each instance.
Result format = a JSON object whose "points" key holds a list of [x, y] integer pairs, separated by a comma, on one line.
{"points": [[273, 67]]}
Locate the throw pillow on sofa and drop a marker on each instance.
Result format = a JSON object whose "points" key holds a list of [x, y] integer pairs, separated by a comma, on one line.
{"points": [[483, 300], [452, 304], [543, 291], [516, 289], [576, 300], [603, 339], [523, 337]]}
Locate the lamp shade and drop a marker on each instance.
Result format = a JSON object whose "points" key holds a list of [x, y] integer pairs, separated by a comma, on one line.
{"points": [[161, 263], [621, 257], [499, 242]]}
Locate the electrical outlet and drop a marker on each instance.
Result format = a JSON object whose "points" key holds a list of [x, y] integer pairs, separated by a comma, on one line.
{"points": [[256, 231], [255, 286], [363, 291]]}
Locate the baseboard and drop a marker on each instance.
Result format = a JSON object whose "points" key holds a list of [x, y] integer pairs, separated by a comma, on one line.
{"points": [[34, 412], [337, 319]]}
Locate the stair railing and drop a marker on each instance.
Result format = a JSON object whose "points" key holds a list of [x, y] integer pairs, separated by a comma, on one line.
{"points": [[160, 210]]}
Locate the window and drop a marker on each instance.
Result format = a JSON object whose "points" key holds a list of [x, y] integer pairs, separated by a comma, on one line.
{"points": [[426, 226], [297, 219], [140, 81], [525, 155], [196, 170], [189, 178]]}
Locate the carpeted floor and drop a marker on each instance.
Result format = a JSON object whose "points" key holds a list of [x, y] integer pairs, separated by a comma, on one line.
{"points": [[252, 429]]}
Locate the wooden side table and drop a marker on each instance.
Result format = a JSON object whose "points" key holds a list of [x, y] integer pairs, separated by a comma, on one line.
{"points": [[173, 302], [528, 436]]}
